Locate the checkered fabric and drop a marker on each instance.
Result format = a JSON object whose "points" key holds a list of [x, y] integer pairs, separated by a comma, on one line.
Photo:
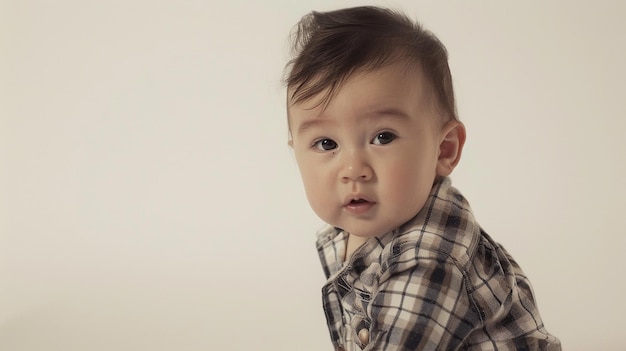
{"points": [[439, 282]]}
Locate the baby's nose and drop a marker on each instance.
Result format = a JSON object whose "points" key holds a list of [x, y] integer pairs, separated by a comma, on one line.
{"points": [[356, 169]]}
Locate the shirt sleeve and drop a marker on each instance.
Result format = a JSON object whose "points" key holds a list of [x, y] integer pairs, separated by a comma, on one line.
{"points": [[431, 303], [423, 307]]}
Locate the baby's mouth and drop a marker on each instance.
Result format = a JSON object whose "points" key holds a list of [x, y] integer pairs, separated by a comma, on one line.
{"points": [[359, 206], [358, 201]]}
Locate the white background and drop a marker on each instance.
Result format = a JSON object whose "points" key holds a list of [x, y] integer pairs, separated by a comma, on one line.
{"points": [[149, 201]]}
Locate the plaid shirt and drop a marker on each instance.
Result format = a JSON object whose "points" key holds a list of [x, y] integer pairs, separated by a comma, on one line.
{"points": [[438, 282]]}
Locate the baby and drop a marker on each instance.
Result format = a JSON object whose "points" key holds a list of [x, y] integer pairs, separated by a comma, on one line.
{"points": [[375, 133]]}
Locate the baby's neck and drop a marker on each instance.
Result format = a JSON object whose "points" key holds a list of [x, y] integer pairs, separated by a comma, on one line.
{"points": [[353, 243]]}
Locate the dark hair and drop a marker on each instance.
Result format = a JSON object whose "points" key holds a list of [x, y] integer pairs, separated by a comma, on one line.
{"points": [[330, 46]]}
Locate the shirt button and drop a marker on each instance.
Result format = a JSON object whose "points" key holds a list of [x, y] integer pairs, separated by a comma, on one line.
{"points": [[364, 336]]}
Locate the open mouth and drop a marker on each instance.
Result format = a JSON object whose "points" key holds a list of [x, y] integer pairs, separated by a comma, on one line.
{"points": [[359, 206], [358, 201]]}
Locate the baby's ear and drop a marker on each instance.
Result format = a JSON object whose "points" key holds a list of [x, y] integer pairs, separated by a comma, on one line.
{"points": [[450, 147]]}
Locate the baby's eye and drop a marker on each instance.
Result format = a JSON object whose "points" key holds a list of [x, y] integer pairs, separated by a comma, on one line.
{"points": [[383, 138], [325, 144]]}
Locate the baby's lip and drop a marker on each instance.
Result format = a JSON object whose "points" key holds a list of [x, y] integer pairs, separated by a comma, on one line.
{"points": [[358, 204], [357, 198]]}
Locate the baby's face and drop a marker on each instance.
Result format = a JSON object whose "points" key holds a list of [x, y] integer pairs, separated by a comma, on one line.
{"points": [[369, 158]]}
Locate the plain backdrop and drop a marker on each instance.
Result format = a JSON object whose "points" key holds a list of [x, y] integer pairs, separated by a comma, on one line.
{"points": [[149, 200]]}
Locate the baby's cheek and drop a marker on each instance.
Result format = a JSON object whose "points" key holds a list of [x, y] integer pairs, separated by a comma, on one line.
{"points": [[400, 178], [318, 196], [408, 187]]}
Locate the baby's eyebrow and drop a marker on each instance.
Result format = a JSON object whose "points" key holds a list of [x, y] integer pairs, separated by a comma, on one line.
{"points": [[392, 112], [309, 124]]}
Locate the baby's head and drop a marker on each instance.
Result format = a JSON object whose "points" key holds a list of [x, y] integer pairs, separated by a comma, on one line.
{"points": [[372, 118]]}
